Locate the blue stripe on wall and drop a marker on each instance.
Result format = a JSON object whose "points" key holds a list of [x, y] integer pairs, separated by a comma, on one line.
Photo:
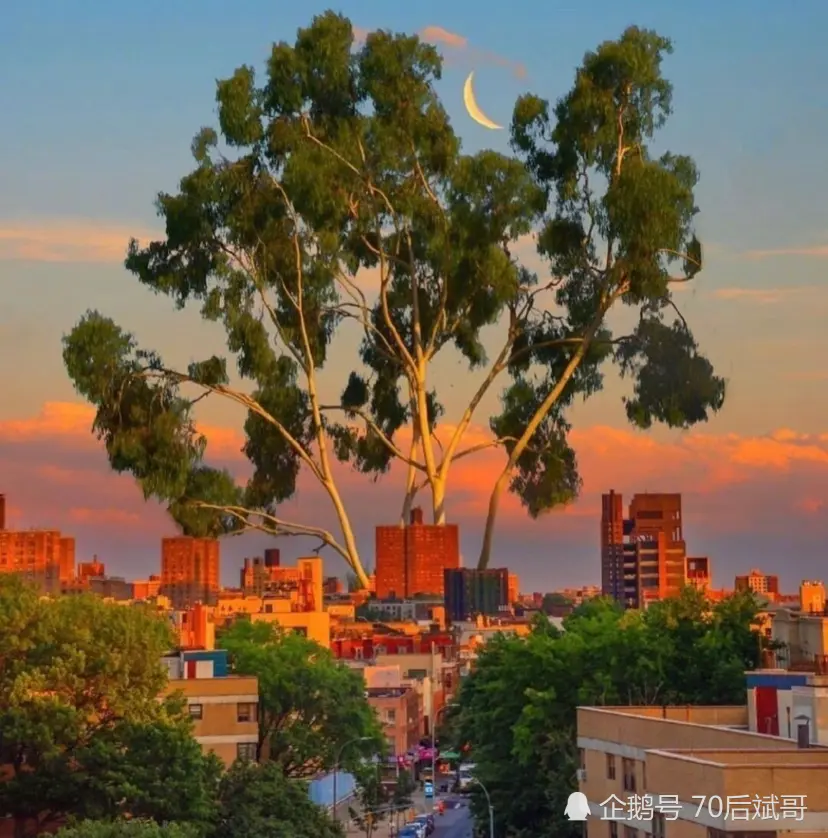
{"points": [[780, 681]]}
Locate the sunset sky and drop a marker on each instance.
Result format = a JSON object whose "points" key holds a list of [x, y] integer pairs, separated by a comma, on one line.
{"points": [[100, 102]]}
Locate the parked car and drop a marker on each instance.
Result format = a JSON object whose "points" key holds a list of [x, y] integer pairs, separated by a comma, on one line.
{"points": [[419, 828], [428, 820], [428, 788], [408, 832]]}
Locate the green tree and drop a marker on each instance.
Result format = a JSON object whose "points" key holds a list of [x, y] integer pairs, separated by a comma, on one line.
{"points": [[132, 828], [518, 707], [260, 801], [339, 164], [82, 728], [310, 705], [620, 232]]}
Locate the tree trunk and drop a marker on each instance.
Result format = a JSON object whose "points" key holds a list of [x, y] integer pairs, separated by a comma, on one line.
{"points": [[491, 518]]}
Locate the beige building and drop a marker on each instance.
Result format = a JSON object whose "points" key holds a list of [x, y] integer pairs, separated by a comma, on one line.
{"points": [[225, 714], [696, 772]]}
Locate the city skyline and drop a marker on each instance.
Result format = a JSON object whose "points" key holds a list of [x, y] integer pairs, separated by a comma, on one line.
{"points": [[754, 480]]}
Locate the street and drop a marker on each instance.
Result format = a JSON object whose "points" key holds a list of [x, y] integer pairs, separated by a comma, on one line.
{"points": [[456, 822]]}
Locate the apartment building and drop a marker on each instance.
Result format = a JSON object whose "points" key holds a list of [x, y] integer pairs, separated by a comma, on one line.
{"points": [[399, 709], [704, 773], [224, 707]]}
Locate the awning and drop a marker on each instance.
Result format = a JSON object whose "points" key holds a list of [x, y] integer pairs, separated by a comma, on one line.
{"points": [[449, 755]]}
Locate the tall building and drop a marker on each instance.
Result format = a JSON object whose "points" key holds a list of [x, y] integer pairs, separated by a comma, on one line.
{"points": [[643, 556], [412, 559], [45, 558], [470, 592], [758, 583], [190, 570], [698, 572]]}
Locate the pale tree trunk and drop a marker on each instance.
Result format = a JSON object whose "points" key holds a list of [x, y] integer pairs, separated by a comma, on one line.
{"points": [[532, 426]]}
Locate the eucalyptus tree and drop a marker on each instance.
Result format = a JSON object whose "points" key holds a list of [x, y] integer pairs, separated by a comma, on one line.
{"points": [[333, 191], [617, 233]]}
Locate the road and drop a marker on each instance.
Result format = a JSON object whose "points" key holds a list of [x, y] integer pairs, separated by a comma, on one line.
{"points": [[456, 821]]}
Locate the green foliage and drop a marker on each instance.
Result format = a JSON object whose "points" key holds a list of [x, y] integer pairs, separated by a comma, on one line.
{"points": [[81, 724], [310, 705], [519, 704], [132, 828], [620, 219], [260, 801]]}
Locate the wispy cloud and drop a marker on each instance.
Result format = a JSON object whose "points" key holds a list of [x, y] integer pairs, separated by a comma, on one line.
{"points": [[459, 45], [761, 296], [67, 240], [819, 251]]}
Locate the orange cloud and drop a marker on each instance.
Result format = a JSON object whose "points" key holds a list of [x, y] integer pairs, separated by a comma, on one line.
{"points": [[741, 494], [67, 240], [459, 44], [438, 35]]}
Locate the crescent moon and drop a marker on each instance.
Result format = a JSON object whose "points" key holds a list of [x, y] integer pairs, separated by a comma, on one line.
{"points": [[473, 108]]}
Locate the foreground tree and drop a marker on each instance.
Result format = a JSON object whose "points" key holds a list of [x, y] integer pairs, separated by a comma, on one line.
{"points": [[339, 166], [310, 705], [260, 801], [132, 828], [82, 728], [518, 707]]}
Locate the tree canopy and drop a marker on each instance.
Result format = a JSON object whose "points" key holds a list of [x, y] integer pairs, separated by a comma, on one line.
{"points": [[260, 801], [310, 705], [82, 724], [518, 706], [335, 194]]}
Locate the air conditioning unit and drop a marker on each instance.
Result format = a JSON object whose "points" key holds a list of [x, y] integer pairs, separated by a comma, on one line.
{"points": [[581, 775]]}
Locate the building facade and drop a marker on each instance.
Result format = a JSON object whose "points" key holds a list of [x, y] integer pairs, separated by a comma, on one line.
{"points": [[224, 707], [190, 570], [643, 556], [470, 592], [400, 712], [411, 560], [704, 773]]}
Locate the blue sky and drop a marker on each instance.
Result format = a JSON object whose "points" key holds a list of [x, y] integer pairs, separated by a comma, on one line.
{"points": [[100, 102]]}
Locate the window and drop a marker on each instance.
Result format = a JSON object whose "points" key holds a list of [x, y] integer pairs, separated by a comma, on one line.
{"points": [[716, 833], [302, 631], [628, 769], [613, 829], [196, 711], [247, 712], [246, 751], [629, 832], [391, 716], [658, 825], [581, 759], [610, 766]]}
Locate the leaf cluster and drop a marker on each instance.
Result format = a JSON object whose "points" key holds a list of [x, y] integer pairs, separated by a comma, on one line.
{"points": [[310, 705]]}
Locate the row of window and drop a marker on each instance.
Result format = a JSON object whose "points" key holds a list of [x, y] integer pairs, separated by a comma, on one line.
{"points": [[627, 771], [246, 712]]}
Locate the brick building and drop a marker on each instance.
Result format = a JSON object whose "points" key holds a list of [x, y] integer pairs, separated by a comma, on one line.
{"points": [[44, 558], [412, 559], [400, 713], [190, 570], [643, 556]]}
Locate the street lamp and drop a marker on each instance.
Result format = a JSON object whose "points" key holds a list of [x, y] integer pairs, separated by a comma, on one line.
{"points": [[491, 808], [433, 753], [336, 767]]}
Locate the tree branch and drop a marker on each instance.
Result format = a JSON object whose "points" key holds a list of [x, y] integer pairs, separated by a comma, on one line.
{"points": [[325, 408], [276, 526]]}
